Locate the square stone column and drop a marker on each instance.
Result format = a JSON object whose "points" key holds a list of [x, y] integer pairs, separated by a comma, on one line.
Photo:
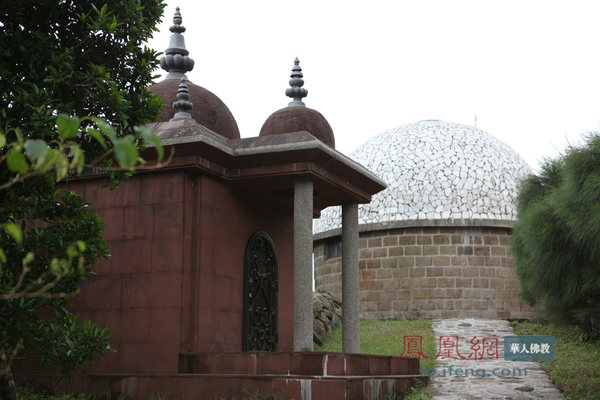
{"points": [[350, 311], [303, 246]]}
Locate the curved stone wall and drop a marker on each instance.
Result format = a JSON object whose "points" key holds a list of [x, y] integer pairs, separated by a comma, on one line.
{"points": [[428, 272]]}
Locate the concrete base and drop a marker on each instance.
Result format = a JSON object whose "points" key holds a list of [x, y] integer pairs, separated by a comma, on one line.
{"points": [[238, 375]]}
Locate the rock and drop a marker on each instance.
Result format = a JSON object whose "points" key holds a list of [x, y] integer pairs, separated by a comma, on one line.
{"points": [[327, 313], [335, 320], [319, 333], [548, 390], [524, 388]]}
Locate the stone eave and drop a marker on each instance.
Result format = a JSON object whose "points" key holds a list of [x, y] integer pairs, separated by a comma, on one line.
{"points": [[265, 162]]}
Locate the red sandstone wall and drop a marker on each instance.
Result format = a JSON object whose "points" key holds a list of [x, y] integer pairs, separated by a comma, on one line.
{"points": [[137, 294], [227, 219], [431, 273], [173, 284]]}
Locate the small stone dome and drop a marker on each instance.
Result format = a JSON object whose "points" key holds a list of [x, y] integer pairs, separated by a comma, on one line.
{"points": [[208, 109], [296, 116], [294, 119], [437, 170]]}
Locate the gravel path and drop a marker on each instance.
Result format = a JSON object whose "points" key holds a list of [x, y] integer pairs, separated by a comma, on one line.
{"points": [[489, 377]]}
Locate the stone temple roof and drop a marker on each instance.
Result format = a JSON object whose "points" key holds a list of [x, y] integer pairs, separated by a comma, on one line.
{"points": [[436, 171]]}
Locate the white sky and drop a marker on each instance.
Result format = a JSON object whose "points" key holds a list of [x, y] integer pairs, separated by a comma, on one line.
{"points": [[529, 70]]}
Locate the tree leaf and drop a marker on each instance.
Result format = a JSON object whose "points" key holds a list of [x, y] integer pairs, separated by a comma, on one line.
{"points": [[150, 137], [46, 163], [35, 149], [55, 266], [81, 245], [126, 152], [62, 166], [95, 133], [2, 140], [67, 126], [113, 25], [16, 161], [19, 135], [72, 252], [108, 130], [78, 158], [13, 230], [28, 258]]}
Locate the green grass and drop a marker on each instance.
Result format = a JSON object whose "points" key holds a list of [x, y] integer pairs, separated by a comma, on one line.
{"points": [[421, 393], [27, 393], [417, 392], [386, 337], [576, 367]]}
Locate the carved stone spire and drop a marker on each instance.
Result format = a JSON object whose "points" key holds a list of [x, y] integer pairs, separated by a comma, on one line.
{"points": [[176, 61], [183, 104], [296, 91]]}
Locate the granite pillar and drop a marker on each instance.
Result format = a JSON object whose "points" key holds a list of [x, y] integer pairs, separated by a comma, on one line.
{"points": [[350, 314], [303, 215]]}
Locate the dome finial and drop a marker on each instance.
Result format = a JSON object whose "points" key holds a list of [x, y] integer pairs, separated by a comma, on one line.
{"points": [[296, 91], [183, 104], [177, 20], [176, 61]]}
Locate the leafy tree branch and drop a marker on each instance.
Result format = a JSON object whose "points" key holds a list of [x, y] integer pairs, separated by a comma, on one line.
{"points": [[74, 81]]}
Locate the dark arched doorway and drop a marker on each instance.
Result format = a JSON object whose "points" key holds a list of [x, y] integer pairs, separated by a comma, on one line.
{"points": [[260, 294]]}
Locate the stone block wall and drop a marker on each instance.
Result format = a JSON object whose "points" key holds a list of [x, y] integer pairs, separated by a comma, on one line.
{"points": [[430, 272]]}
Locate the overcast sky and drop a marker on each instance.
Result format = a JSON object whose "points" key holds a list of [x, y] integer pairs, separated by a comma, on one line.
{"points": [[529, 70]]}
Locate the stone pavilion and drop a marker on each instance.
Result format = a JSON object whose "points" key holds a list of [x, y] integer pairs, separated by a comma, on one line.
{"points": [[208, 291]]}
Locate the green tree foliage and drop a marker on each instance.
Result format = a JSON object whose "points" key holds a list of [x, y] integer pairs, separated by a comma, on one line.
{"points": [[556, 240], [73, 94]]}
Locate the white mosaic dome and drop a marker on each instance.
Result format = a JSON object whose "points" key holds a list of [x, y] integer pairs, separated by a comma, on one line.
{"points": [[436, 170]]}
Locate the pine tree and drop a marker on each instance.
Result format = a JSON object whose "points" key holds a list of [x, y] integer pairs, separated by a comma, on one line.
{"points": [[556, 240]]}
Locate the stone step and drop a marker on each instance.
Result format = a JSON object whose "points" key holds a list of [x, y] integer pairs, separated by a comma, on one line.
{"points": [[297, 363], [236, 386], [288, 375]]}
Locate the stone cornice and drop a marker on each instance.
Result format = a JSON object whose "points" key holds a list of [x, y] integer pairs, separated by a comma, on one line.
{"points": [[427, 223]]}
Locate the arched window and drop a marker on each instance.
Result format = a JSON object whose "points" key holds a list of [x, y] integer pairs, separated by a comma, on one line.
{"points": [[260, 294]]}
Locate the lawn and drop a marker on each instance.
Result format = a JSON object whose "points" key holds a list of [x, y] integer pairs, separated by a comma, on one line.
{"points": [[576, 367], [386, 337]]}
